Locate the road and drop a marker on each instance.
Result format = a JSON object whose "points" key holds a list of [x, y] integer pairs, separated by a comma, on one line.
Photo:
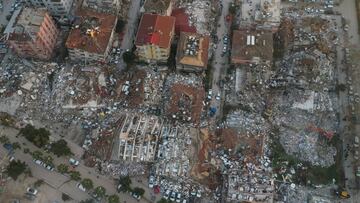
{"points": [[63, 182], [5, 11], [220, 62], [131, 28], [348, 9]]}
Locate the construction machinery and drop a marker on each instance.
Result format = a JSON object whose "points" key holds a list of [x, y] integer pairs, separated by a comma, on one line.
{"points": [[342, 194]]}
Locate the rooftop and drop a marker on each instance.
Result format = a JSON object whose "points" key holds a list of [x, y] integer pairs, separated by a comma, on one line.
{"points": [[156, 6], [156, 30], [91, 31], [26, 24], [251, 46], [182, 23], [193, 49]]}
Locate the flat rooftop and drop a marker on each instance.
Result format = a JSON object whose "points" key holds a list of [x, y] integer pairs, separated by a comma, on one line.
{"points": [[252, 45], [193, 49], [26, 23]]}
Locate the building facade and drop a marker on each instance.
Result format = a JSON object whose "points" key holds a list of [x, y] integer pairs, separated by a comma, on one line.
{"points": [[32, 34], [154, 37]]}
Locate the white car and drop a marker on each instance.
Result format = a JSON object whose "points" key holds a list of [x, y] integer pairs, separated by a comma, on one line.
{"points": [[38, 162], [81, 187], [32, 191], [218, 96], [73, 162], [167, 193], [151, 181]]}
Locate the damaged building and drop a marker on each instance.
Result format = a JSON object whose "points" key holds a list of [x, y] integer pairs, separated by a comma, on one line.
{"points": [[92, 36], [160, 7], [32, 33], [192, 52], [252, 46]]}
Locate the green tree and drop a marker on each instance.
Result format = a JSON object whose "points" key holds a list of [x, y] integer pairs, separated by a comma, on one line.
{"points": [[4, 139], [39, 137], [38, 183], [63, 168], [65, 197], [37, 155], [114, 199], [88, 201], [129, 57], [139, 191], [49, 160], [87, 183], [16, 145], [15, 168], [100, 191], [163, 200], [125, 183], [75, 175], [60, 148]]}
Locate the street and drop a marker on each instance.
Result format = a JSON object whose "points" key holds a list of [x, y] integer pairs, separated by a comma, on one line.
{"points": [[63, 182], [220, 61]]}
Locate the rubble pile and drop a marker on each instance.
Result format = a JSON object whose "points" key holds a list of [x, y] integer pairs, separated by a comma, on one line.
{"points": [[120, 169], [247, 123], [201, 14], [184, 98]]}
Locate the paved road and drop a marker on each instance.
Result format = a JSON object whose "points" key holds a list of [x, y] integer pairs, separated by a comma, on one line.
{"points": [[63, 182], [220, 62], [348, 9], [131, 28], [5, 11]]}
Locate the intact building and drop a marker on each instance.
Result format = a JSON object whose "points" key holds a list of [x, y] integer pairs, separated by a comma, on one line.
{"points": [[252, 46], [32, 33], [154, 37], [57, 8], [91, 36], [161, 7], [192, 52]]}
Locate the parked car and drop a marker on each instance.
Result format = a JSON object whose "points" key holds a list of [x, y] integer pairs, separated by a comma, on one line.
{"points": [[218, 96], [136, 196], [73, 162], [81, 187], [31, 191], [151, 181]]}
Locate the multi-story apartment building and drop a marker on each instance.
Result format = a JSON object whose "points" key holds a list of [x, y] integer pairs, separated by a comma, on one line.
{"points": [[57, 8], [192, 52], [154, 37], [32, 33], [92, 36]]}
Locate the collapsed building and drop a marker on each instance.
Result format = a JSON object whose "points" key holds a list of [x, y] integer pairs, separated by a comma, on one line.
{"points": [[160, 7], [137, 138], [32, 33], [57, 8], [102, 6], [92, 36], [264, 14], [192, 52]]}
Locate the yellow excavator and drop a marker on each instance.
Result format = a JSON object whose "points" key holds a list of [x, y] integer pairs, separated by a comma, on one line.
{"points": [[342, 194]]}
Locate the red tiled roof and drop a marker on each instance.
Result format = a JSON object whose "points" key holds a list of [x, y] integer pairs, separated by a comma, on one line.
{"points": [[182, 21], [78, 39], [155, 29]]}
